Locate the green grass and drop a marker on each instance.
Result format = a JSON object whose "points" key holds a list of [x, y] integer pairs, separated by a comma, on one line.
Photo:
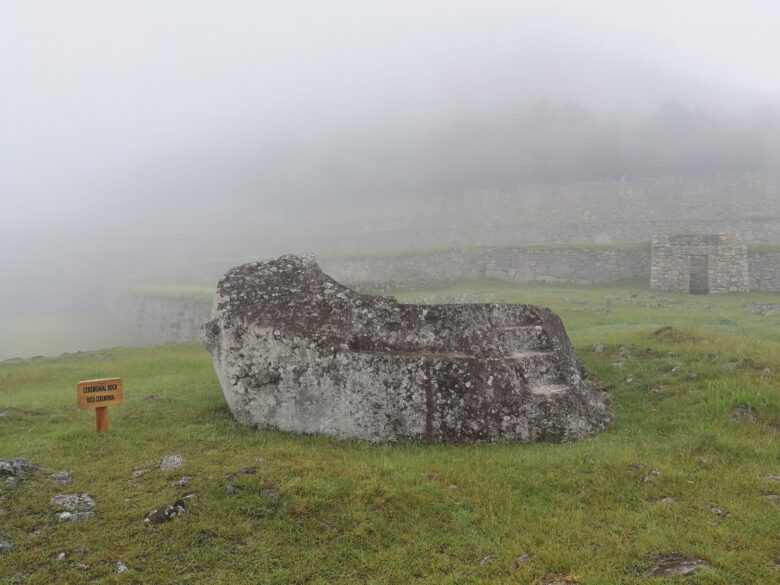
{"points": [[410, 513], [53, 334], [173, 291], [763, 248]]}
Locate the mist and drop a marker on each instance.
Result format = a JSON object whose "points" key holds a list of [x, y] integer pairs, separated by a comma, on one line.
{"points": [[142, 139]]}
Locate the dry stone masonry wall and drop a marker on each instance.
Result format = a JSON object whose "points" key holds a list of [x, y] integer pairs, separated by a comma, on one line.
{"points": [[520, 265], [700, 264], [167, 319], [765, 271], [296, 351], [623, 210], [164, 319]]}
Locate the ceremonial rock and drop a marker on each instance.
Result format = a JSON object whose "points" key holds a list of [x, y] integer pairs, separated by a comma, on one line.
{"points": [[296, 351]]}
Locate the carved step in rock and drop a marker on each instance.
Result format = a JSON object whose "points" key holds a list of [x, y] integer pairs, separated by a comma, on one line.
{"points": [[296, 351]]}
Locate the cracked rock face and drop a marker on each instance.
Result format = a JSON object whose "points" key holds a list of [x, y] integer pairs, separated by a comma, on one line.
{"points": [[296, 351]]}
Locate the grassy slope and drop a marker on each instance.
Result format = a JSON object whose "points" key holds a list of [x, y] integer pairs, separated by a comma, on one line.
{"points": [[352, 513], [56, 333], [173, 291]]}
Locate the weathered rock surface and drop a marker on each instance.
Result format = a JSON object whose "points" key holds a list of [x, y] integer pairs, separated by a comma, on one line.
{"points": [[74, 502], [76, 516], [169, 511], [296, 351], [678, 563], [62, 477], [16, 468], [171, 462]]}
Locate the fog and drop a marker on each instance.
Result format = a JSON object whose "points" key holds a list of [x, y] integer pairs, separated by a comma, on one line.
{"points": [[139, 137]]}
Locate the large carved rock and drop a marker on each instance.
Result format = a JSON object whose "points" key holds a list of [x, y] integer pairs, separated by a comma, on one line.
{"points": [[296, 351]]}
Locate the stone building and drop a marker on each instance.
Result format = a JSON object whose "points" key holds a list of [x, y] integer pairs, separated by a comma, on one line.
{"points": [[699, 264]]}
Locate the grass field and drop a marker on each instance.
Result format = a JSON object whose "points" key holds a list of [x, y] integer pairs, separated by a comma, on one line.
{"points": [[697, 412], [56, 333]]}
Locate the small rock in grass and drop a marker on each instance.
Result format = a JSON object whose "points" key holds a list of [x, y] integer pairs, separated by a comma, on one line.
{"points": [[182, 482], [774, 498], [17, 468], [6, 545], [60, 556], [76, 516], [743, 413], [74, 502], [666, 500], [487, 559], [62, 477], [718, 511], [521, 560], [269, 493], [180, 503], [599, 347], [773, 477], [163, 514], [121, 567], [562, 580], [138, 472], [171, 462], [231, 489], [249, 470], [678, 563], [649, 476]]}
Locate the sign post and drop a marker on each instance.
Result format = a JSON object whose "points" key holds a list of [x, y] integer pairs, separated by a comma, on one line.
{"points": [[100, 394]]}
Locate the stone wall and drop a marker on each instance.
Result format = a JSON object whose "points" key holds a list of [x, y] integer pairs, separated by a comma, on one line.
{"points": [[521, 265], [166, 319], [163, 319], [765, 271], [716, 263], [578, 213]]}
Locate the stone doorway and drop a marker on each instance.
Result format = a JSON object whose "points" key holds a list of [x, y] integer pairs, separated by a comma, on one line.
{"points": [[699, 276]]}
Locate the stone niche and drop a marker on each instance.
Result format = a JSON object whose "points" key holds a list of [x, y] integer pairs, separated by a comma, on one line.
{"points": [[296, 351], [699, 264]]}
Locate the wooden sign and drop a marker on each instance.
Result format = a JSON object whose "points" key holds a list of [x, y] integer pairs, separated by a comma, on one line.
{"points": [[100, 394]]}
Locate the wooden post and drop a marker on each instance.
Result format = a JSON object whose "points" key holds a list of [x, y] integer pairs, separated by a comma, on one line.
{"points": [[100, 394], [101, 419]]}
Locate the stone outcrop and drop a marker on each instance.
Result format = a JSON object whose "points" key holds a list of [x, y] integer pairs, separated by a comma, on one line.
{"points": [[296, 351]]}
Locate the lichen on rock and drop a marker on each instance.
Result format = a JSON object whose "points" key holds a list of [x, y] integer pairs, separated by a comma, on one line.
{"points": [[296, 351]]}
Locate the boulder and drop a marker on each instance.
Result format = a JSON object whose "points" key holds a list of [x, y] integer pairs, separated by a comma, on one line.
{"points": [[18, 468], [296, 351]]}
